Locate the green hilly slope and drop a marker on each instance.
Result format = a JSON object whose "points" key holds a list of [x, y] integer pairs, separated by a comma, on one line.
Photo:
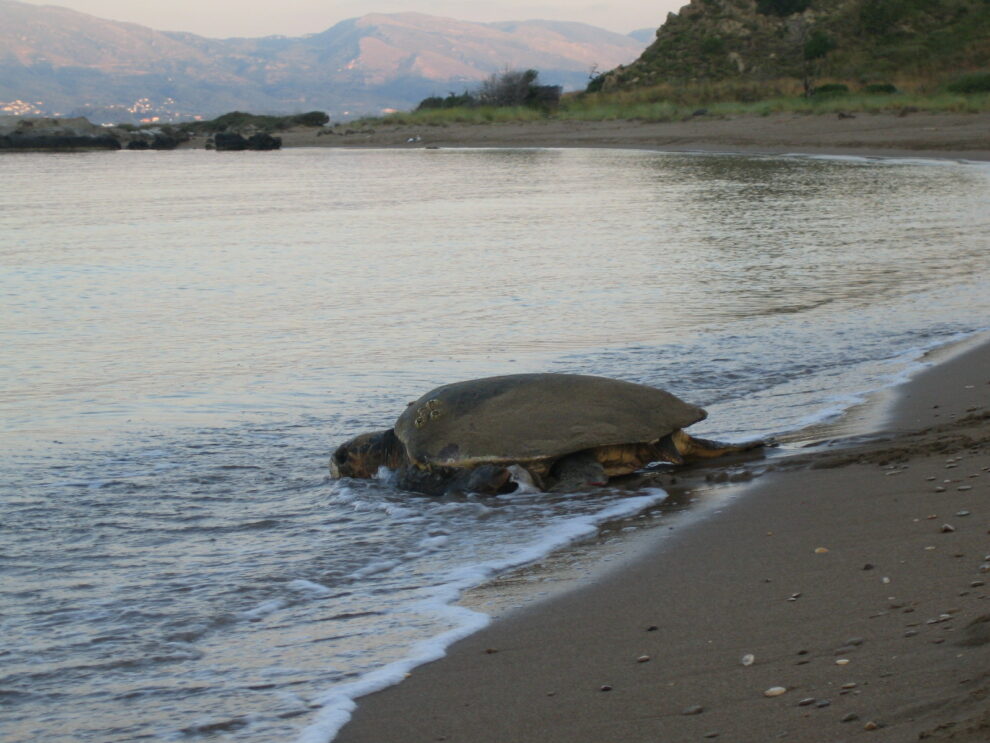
{"points": [[912, 43]]}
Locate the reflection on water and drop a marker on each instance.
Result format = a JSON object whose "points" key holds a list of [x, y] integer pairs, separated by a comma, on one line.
{"points": [[187, 335]]}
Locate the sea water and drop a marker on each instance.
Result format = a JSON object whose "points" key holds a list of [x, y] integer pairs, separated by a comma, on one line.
{"points": [[186, 336]]}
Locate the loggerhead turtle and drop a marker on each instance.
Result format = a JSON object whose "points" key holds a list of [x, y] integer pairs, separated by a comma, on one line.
{"points": [[565, 431]]}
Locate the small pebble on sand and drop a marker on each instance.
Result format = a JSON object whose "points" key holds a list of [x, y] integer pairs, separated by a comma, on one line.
{"points": [[604, 687], [694, 709], [748, 659], [806, 701], [965, 487], [962, 513], [821, 550], [775, 691], [643, 659], [948, 528], [842, 662], [851, 717]]}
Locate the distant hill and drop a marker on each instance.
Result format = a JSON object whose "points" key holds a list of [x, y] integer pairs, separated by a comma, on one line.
{"points": [[854, 40], [57, 61]]}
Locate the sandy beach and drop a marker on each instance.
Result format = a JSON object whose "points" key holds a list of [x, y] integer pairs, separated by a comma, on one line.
{"points": [[842, 595], [946, 135]]}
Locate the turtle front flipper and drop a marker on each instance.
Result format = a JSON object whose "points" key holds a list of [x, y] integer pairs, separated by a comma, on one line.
{"points": [[485, 479], [577, 472], [691, 448]]}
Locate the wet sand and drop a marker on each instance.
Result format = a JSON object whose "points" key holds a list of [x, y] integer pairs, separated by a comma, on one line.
{"points": [[947, 135], [852, 573]]}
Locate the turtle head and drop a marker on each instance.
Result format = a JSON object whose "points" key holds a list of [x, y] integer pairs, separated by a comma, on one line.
{"points": [[364, 454]]}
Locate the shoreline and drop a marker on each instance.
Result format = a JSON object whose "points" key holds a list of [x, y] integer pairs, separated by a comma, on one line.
{"points": [[917, 666], [951, 136]]}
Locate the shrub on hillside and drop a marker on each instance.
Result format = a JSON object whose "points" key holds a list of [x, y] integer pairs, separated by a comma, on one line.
{"points": [[970, 83], [465, 100], [880, 88], [782, 8], [311, 118], [830, 89]]}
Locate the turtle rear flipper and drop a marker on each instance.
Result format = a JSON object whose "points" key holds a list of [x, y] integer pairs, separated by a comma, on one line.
{"points": [[691, 448]]}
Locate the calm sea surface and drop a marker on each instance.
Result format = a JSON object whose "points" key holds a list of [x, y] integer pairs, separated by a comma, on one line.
{"points": [[185, 336]]}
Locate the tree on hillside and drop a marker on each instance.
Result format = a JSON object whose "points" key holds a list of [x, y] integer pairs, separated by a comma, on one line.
{"points": [[517, 88]]}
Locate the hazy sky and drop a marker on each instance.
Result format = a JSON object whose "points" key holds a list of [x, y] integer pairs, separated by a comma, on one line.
{"points": [[223, 18]]}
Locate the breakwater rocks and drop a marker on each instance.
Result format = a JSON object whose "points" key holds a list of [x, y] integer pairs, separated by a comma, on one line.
{"points": [[233, 142], [68, 135]]}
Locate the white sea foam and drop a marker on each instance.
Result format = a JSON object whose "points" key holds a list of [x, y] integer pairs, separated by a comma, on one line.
{"points": [[308, 586], [338, 704]]}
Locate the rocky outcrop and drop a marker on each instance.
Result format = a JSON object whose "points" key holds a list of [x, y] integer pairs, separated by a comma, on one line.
{"points": [[154, 139], [233, 142], [55, 134], [755, 41], [61, 135]]}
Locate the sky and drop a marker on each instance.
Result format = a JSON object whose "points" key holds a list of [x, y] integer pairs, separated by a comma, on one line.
{"points": [[225, 18]]}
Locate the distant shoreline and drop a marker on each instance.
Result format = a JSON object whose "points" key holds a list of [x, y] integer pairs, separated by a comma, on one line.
{"points": [[960, 136]]}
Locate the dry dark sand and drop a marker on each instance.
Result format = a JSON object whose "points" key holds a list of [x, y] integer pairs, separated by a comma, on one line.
{"points": [[852, 573], [959, 136]]}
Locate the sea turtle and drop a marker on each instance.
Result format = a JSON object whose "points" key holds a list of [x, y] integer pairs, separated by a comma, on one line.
{"points": [[561, 431]]}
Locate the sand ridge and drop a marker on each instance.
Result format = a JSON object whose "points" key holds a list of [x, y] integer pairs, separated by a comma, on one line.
{"points": [[917, 134]]}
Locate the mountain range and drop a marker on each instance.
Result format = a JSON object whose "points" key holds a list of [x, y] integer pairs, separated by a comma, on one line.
{"points": [[56, 61]]}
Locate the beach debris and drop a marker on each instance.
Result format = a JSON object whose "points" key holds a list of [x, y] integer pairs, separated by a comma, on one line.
{"points": [[794, 596], [643, 659], [947, 528], [748, 659], [821, 550], [694, 709], [775, 691]]}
